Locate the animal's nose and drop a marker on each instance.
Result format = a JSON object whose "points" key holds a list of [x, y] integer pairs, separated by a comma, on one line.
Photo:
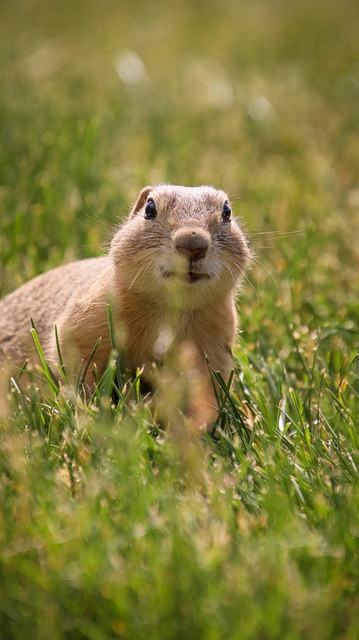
{"points": [[192, 245]]}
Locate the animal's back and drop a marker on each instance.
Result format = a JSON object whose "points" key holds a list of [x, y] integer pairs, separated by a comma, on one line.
{"points": [[42, 300]]}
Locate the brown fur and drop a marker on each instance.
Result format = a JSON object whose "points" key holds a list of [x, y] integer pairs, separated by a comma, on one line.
{"points": [[145, 278]]}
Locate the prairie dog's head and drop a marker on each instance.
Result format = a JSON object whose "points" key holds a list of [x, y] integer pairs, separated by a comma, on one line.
{"points": [[183, 237]]}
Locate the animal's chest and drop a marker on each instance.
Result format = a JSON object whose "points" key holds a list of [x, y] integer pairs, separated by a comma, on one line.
{"points": [[159, 337]]}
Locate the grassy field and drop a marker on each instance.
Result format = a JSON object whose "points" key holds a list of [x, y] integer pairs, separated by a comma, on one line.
{"points": [[108, 527]]}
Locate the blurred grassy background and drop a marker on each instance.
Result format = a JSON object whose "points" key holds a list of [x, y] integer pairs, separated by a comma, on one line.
{"points": [[261, 98]]}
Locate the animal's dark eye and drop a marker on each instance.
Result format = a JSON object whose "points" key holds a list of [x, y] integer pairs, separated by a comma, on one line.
{"points": [[226, 212], [150, 210]]}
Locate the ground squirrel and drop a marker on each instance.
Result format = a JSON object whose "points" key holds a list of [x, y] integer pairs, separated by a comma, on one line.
{"points": [[170, 277]]}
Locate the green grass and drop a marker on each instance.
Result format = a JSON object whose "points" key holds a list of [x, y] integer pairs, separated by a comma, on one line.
{"points": [[108, 527]]}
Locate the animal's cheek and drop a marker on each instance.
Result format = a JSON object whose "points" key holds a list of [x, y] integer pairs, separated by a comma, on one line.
{"points": [[211, 264], [161, 265]]}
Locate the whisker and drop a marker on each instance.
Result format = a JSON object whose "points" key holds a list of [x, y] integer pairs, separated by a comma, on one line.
{"points": [[269, 275], [165, 228], [144, 264], [143, 267], [237, 265], [243, 274], [146, 269], [280, 233], [272, 238]]}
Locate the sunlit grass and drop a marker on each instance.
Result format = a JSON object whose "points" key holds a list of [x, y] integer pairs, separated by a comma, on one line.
{"points": [[109, 525]]}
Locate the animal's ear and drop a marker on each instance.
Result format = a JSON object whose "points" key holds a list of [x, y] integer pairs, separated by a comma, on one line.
{"points": [[140, 200]]}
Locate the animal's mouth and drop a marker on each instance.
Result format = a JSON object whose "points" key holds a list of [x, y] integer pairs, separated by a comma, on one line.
{"points": [[190, 277]]}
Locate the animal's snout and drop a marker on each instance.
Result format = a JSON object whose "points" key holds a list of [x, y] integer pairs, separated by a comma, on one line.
{"points": [[191, 244]]}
